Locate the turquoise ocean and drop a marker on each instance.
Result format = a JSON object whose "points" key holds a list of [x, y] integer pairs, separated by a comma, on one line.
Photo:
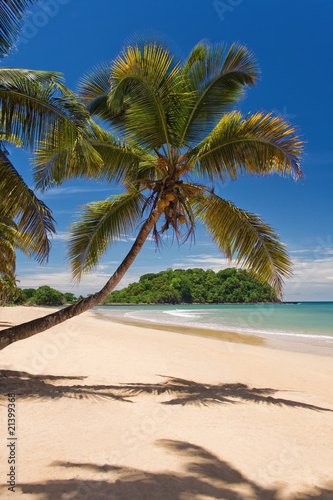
{"points": [[308, 321]]}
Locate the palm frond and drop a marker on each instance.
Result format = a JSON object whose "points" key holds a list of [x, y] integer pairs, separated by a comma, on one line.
{"points": [[122, 161], [142, 97], [11, 77], [101, 224], [259, 144], [216, 77], [32, 102], [10, 232], [11, 15], [10, 239], [63, 155], [94, 89], [7, 254], [32, 216], [246, 237], [89, 152]]}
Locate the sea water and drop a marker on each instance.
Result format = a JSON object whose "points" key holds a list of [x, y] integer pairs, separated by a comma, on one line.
{"points": [[307, 320]]}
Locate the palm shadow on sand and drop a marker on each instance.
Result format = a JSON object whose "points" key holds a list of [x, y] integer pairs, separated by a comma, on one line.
{"points": [[204, 475], [183, 392], [189, 392], [27, 386]]}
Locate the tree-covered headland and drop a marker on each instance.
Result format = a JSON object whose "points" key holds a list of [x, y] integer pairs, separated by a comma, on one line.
{"points": [[192, 286]]}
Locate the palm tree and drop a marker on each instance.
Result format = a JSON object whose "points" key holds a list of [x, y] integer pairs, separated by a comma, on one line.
{"points": [[177, 136], [31, 102]]}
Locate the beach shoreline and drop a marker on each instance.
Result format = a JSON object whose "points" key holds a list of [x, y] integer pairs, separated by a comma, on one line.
{"points": [[309, 345], [114, 410], [321, 345]]}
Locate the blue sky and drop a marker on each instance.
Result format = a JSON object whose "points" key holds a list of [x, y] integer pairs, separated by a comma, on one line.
{"points": [[292, 43]]}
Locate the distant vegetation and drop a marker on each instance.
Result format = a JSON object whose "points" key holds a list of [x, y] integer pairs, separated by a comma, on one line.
{"points": [[42, 296], [47, 296], [188, 286], [194, 286]]}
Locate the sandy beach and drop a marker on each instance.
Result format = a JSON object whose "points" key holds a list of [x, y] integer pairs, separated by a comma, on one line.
{"points": [[112, 411]]}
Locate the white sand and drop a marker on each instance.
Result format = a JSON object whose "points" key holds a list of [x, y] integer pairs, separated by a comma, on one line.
{"points": [[76, 440]]}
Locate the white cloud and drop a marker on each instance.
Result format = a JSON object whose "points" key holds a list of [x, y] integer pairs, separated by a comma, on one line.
{"points": [[205, 262], [60, 191], [64, 235], [320, 246], [312, 270], [311, 280], [125, 238], [304, 250], [314, 251], [61, 280], [61, 235]]}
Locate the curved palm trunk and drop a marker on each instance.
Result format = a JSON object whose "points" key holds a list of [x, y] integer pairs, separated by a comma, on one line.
{"points": [[26, 330]]}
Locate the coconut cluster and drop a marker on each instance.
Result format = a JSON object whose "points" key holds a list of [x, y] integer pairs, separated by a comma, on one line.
{"points": [[170, 211]]}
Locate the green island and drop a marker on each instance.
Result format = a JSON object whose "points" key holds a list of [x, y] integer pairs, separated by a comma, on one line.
{"points": [[194, 286]]}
